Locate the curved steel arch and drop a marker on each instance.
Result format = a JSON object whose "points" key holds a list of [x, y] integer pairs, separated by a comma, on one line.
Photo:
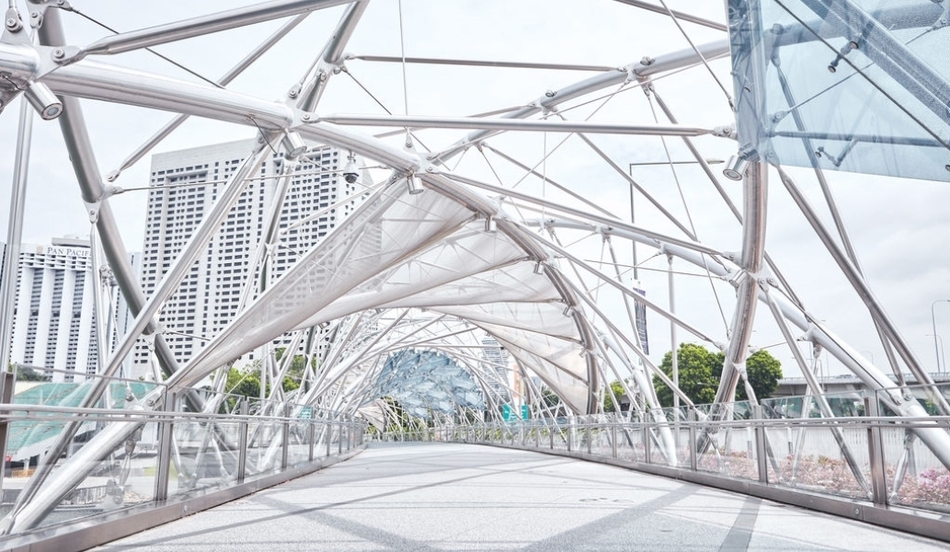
{"points": [[599, 337]]}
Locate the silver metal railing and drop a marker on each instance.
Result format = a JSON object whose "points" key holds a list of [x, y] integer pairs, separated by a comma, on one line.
{"points": [[869, 465], [173, 455]]}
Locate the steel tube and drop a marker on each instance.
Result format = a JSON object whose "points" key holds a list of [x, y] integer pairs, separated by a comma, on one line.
{"points": [[893, 18], [677, 14], [933, 321], [80, 151], [20, 62], [11, 263], [226, 79], [100, 81], [660, 64], [483, 63], [870, 138], [606, 221], [509, 124], [860, 287], [833, 207], [876, 453], [195, 245], [815, 390], [890, 54], [212, 23], [331, 56], [753, 249]]}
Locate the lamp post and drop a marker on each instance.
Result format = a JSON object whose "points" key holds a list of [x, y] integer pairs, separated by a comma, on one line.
{"points": [[933, 321], [943, 354]]}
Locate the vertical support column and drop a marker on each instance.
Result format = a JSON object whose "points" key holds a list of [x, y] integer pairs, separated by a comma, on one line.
{"points": [[693, 461], [613, 440], [876, 451], [761, 456], [589, 434], [311, 435], [14, 232], [551, 438], [165, 448], [339, 439], [755, 201], [647, 445], [328, 435], [7, 383], [285, 438], [570, 434], [674, 355], [242, 442]]}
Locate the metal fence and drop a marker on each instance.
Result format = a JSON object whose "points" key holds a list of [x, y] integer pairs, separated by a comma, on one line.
{"points": [[169, 456], [870, 467]]}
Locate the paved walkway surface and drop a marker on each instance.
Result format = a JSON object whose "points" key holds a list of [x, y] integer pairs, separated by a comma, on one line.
{"points": [[432, 496]]}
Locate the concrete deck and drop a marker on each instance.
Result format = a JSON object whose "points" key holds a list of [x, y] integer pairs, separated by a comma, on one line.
{"points": [[427, 497]]}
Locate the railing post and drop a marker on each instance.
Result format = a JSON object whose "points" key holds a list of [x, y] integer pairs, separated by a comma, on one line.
{"points": [[328, 434], [589, 433], [613, 440], [570, 434], [647, 445], [242, 442], [7, 384], [285, 438], [761, 456], [339, 439], [551, 435], [876, 451], [165, 449], [311, 434], [691, 419]]}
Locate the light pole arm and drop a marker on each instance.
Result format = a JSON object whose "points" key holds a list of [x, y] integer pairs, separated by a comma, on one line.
{"points": [[933, 322]]}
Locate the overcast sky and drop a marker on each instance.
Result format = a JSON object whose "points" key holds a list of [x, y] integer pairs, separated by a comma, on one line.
{"points": [[899, 227]]}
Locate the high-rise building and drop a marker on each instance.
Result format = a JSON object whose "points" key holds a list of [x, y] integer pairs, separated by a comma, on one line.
{"points": [[54, 318], [185, 185], [496, 362]]}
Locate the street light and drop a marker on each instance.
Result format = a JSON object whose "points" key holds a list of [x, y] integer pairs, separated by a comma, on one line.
{"points": [[933, 321], [943, 353]]}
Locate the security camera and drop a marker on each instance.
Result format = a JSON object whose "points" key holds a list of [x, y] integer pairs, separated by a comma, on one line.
{"points": [[349, 171]]}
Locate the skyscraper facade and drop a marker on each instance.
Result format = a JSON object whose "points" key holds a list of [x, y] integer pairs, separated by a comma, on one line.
{"points": [[54, 323], [185, 185]]}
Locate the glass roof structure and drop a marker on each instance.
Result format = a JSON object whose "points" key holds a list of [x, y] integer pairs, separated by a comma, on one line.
{"points": [[426, 383], [551, 176]]}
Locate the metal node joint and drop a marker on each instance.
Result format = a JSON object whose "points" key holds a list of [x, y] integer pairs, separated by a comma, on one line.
{"points": [[725, 131], [738, 164], [12, 22], [38, 10], [92, 210]]}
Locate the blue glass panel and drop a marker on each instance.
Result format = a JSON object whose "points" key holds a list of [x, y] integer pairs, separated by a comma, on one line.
{"points": [[425, 381], [852, 85]]}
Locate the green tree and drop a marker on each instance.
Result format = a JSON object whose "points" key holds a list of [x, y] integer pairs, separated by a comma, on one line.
{"points": [[247, 382], [550, 398], [701, 369], [25, 373], [294, 374], [695, 364], [764, 371], [618, 392]]}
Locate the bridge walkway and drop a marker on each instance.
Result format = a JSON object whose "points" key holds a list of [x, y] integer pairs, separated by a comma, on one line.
{"points": [[456, 497]]}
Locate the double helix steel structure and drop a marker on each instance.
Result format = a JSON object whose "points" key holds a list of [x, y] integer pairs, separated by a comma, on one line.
{"points": [[536, 181]]}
